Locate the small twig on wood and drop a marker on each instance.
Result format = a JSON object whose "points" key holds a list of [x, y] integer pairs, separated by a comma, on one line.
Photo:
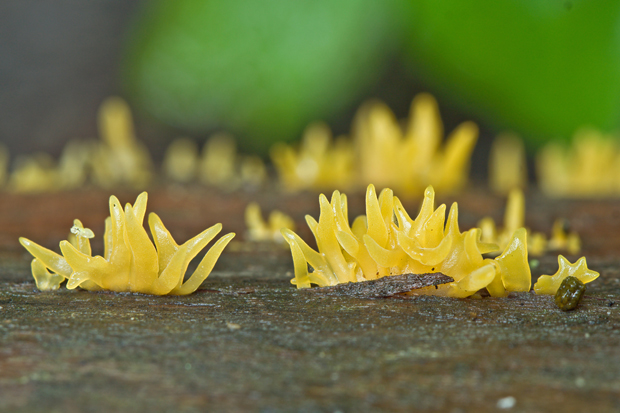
{"points": [[386, 286]]}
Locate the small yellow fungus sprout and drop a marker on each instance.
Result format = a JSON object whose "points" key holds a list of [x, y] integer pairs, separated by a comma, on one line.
{"points": [[181, 160], [319, 163], [131, 263], [120, 159], [507, 164], [260, 230], [386, 241], [549, 284], [381, 152], [590, 167], [514, 218]]}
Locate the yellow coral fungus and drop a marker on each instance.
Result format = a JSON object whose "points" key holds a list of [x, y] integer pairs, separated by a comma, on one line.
{"points": [[260, 230], [131, 263], [514, 218], [386, 241], [549, 284], [381, 152]]}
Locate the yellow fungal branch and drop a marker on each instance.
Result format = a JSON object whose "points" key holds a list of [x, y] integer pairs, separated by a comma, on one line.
{"points": [[380, 151], [131, 263], [261, 230], [386, 241], [589, 167], [549, 284], [507, 164], [514, 217]]}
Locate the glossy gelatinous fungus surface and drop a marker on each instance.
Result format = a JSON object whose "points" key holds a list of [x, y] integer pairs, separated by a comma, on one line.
{"points": [[387, 242], [570, 293], [549, 284], [131, 263]]}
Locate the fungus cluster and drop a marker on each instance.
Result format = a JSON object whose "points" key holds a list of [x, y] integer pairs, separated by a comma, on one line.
{"points": [[387, 242], [131, 263]]}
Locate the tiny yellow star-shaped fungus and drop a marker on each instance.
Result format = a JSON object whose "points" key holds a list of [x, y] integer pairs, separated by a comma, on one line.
{"points": [[131, 263], [386, 241], [549, 284]]}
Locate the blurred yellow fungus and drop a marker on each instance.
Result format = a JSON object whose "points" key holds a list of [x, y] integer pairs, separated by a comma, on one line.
{"points": [[319, 163], [589, 167], [74, 164], [514, 218], [34, 173], [252, 170], [381, 152], [181, 160], [131, 263], [507, 164], [261, 230], [39, 172], [119, 159], [549, 284], [219, 162], [563, 239], [4, 164], [415, 158], [386, 241]]}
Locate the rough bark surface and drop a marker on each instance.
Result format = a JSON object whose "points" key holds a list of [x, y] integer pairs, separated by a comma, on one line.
{"points": [[249, 340]]}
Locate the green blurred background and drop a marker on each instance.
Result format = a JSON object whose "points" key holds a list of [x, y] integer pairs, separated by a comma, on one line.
{"points": [[264, 69]]}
